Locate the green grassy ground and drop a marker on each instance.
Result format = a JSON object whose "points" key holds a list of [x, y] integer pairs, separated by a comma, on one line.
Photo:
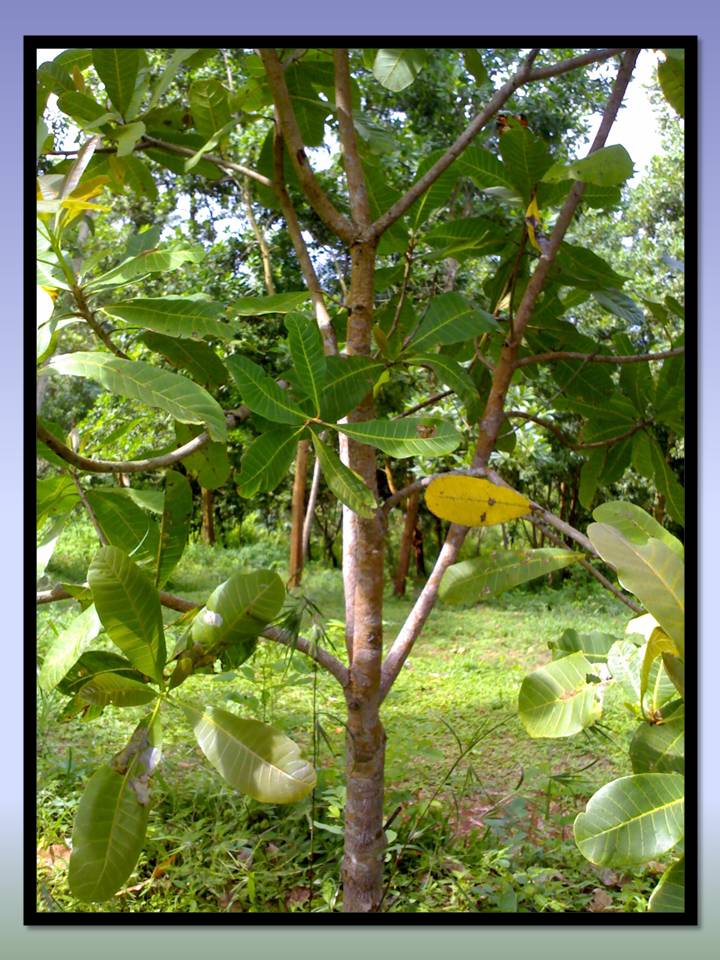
{"points": [[481, 815]]}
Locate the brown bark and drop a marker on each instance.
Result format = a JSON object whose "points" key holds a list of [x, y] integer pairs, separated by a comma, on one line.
{"points": [[298, 515], [406, 544], [363, 558], [207, 531]]}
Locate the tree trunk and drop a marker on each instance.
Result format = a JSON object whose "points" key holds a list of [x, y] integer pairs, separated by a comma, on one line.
{"points": [[363, 565], [298, 515], [207, 531], [406, 544]]}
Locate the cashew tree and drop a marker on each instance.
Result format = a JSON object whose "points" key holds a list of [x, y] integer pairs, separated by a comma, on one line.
{"points": [[457, 269]]}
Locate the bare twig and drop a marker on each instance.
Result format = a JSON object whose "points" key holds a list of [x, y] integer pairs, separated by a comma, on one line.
{"points": [[599, 357], [357, 190], [565, 66], [83, 309], [424, 403], [321, 204], [260, 237], [568, 441]]}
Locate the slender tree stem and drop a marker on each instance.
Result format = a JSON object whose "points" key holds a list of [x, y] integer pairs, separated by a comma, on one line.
{"points": [[357, 190], [599, 357]]}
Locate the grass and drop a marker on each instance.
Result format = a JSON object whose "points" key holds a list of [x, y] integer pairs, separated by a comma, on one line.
{"points": [[481, 816]]}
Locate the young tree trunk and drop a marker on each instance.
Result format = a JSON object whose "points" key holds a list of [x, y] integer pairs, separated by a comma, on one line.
{"points": [[207, 531], [298, 515], [363, 564], [406, 544]]}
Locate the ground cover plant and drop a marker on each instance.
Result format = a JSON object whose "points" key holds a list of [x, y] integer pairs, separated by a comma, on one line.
{"points": [[395, 222]]}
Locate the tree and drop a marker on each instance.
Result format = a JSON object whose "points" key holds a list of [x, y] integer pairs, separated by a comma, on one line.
{"points": [[467, 249]]}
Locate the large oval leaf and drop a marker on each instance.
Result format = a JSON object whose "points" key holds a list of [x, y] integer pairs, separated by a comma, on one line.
{"points": [[483, 577], [252, 757], [606, 167], [635, 524], [175, 524], [107, 837], [594, 646], [669, 895], [409, 437], [557, 700], [117, 689], [632, 820], [239, 609], [195, 357], [660, 747], [149, 261], [129, 607], [171, 392], [174, 316], [261, 393], [118, 69], [348, 486], [68, 646], [474, 501], [124, 523], [267, 460], [652, 571], [397, 69]]}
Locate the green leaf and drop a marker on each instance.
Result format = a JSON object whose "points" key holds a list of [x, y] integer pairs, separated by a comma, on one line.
{"points": [[175, 317], [124, 523], [306, 350], [619, 304], [310, 111], [170, 392], [594, 646], [112, 817], [174, 63], [237, 612], [451, 374], [127, 136], [483, 577], [475, 66], [252, 757], [625, 662], [176, 163], [116, 689], [409, 437], [635, 524], [668, 484], [137, 175], [195, 357], [261, 393], [108, 835], [526, 158], [175, 524], [81, 107], [465, 238], [276, 303], [607, 167], [210, 106], [578, 267], [641, 455], [557, 700], [450, 318], [54, 497], [397, 69], [67, 647], [485, 170], [437, 195], [267, 460], [348, 486], [632, 820], [93, 662], [652, 571], [669, 895], [671, 75], [348, 380], [118, 70], [210, 465], [150, 261], [590, 474], [129, 607], [660, 747]]}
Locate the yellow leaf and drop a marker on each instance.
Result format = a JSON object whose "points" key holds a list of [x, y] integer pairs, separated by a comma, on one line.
{"points": [[533, 222], [78, 78], [45, 306], [89, 188], [474, 502]]}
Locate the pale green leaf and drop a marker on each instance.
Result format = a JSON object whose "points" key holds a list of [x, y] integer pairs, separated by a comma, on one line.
{"points": [[174, 316], [652, 571], [239, 610], [557, 700], [252, 757], [68, 646], [594, 646], [607, 167], [170, 392], [397, 69], [118, 69], [635, 524], [409, 437], [660, 747], [669, 895], [471, 581], [210, 106], [150, 261], [124, 523], [632, 820]]}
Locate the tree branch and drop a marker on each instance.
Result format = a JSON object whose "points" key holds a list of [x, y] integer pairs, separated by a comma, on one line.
{"points": [[599, 357], [211, 157], [573, 445], [357, 190], [259, 236], [321, 656], [564, 66], [321, 204], [83, 309], [133, 466]]}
